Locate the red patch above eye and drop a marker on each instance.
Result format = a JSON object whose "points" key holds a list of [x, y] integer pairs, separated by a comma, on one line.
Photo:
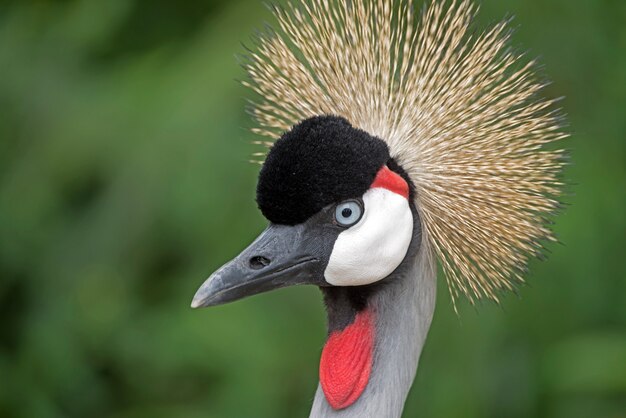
{"points": [[391, 181], [346, 361]]}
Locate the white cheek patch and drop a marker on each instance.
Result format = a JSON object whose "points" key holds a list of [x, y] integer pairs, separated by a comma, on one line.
{"points": [[372, 249]]}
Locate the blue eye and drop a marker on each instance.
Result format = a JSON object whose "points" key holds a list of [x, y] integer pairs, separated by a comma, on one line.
{"points": [[348, 213]]}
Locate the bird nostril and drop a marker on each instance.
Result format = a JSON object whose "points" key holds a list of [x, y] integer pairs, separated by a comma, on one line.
{"points": [[258, 262]]}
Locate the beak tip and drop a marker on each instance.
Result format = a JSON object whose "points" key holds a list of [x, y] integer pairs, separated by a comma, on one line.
{"points": [[198, 301]]}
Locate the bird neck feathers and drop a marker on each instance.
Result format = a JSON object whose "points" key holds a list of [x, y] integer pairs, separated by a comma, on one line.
{"points": [[376, 335]]}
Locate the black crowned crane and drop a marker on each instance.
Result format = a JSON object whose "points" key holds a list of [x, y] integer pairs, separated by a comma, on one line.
{"points": [[401, 141]]}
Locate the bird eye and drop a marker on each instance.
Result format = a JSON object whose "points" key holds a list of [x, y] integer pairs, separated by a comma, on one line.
{"points": [[348, 213]]}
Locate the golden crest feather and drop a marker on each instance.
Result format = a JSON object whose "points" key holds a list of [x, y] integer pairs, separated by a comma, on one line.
{"points": [[460, 111]]}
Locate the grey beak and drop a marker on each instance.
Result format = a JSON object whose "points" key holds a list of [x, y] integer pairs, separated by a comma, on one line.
{"points": [[281, 256]]}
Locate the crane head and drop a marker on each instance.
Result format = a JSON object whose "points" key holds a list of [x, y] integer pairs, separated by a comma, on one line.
{"points": [[340, 213], [401, 139]]}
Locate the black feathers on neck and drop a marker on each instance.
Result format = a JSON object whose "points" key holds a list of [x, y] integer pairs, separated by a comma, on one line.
{"points": [[343, 303]]}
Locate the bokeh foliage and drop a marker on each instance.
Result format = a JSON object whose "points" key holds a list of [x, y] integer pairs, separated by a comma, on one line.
{"points": [[124, 182]]}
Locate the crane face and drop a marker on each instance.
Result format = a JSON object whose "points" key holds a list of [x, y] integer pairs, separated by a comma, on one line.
{"points": [[339, 212]]}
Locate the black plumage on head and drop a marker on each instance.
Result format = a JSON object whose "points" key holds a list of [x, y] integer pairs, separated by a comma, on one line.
{"points": [[319, 161]]}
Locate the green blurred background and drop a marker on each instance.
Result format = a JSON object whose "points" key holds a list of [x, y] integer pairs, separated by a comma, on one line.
{"points": [[124, 182]]}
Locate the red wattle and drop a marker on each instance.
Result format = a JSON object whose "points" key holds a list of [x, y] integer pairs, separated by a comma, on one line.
{"points": [[389, 180], [346, 361]]}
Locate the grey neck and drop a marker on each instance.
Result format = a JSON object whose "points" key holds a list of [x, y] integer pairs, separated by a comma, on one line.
{"points": [[404, 308]]}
